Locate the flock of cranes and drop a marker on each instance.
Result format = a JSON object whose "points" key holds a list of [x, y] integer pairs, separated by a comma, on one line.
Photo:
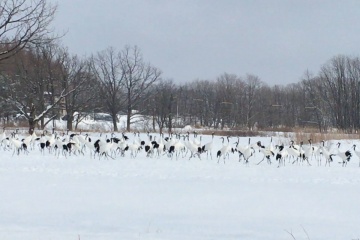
{"points": [[176, 146]]}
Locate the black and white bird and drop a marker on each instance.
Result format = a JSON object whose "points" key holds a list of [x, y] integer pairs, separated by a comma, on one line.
{"points": [[194, 148], [281, 155], [245, 151], [224, 150], [294, 151], [267, 152], [326, 153], [357, 152], [17, 144], [208, 146], [345, 156]]}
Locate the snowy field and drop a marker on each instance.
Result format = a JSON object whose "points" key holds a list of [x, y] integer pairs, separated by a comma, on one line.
{"points": [[45, 197]]}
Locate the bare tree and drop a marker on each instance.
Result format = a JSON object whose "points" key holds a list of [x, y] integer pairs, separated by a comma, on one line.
{"points": [[24, 22], [225, 99], [6, 109], [253, 84], [138, 76], [339, 85], [83, 100], [161, 104], [202, 101], [32, 84], [107, 68], [239, 101], [46, 70]]}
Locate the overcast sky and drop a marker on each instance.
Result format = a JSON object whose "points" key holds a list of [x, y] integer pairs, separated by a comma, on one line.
{"points": [[277, 40]]}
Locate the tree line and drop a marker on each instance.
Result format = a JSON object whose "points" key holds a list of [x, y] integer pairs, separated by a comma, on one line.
{"points": [[41, 80]]}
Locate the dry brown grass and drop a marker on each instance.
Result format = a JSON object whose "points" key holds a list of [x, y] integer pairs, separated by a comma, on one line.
{"points": [[233, 133], [317, 137], [299, 134]]}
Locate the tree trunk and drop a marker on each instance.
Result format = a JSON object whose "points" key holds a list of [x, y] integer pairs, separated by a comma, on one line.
{"points": [[76, 125], [32, 125], [42, 123], [128, 118], [32, 122], [69, 121], [153, 123], [170, 123], [114, 119], [160, 129]]}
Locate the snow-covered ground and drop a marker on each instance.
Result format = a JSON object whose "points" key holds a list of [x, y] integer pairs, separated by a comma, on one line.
{"points": [[80, 197]]}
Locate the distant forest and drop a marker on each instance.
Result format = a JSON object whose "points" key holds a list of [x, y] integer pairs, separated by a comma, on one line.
{"points": [[41, 80]]}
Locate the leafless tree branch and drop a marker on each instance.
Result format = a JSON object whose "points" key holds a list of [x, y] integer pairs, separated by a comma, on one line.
{"points": [[24, 22]]}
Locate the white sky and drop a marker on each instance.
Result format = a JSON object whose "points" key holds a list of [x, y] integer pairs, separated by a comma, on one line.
{"points": [[277, 40]]}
